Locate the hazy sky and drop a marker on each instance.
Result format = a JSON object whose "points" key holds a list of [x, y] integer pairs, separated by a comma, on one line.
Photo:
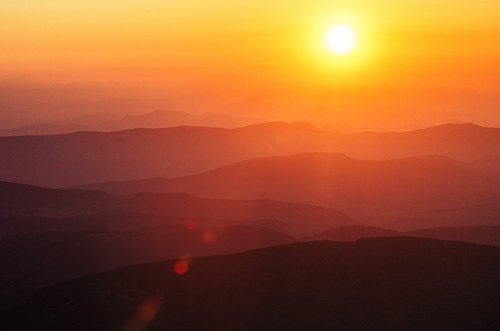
{"points": [[438, 58]]}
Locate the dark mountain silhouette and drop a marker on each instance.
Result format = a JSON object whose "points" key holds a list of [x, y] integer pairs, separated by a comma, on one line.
{"points": [[382, 189], [353, 233], [90, 157], [33, 261], [157, 119], [393, 283], [482, 235], [20, 199], [24, 200], [112, 221]]}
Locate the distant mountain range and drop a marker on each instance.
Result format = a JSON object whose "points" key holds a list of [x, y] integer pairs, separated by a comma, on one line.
{"points": [[358, 187], [157, 119], [91, 157], [394, 283], [364, 231]]}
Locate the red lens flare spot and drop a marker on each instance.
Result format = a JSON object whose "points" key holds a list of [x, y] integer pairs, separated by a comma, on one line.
{"points": [[190, 225], [180, 267], [208, 237]]}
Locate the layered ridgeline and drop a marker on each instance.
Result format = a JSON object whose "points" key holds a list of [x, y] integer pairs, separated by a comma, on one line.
{"points": [[35, 260], [89, 157], [407, 193], [109, 122], [28, 208], [49, 235], [387, 283]]}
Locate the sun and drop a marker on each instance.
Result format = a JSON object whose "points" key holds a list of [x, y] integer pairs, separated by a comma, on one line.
{"points": [[341, 39]]}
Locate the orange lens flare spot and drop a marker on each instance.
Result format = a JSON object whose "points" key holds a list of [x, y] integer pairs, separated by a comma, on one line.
{"points": [[190, 225], [148, 310], [144, 314], [180, 267], [208, 237]]}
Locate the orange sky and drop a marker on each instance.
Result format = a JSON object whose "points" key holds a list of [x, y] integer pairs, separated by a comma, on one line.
{"points": [[230, 51]]}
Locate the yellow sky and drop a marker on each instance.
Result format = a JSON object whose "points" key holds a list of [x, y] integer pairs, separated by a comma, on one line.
{"points": [[255, 44]]}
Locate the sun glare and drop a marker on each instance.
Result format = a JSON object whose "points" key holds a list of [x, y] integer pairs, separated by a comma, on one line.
{"points": [[341, 39]]}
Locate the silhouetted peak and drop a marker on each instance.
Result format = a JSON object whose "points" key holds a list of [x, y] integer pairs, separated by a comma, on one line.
{"points": [[304, 125], [454, 127], [266, 126]]}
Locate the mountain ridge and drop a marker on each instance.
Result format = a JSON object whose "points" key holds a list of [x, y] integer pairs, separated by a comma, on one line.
{"points": [[160, 118], [360, 188], [297, 219], [90, 157]]}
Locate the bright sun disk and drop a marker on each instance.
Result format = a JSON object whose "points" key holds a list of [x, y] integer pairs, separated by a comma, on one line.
{"points": [[341, 39]]}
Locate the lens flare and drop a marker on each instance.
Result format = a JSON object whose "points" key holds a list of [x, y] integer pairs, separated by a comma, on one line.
{"points": [[181, 267], [208, 237], [144, 314], [190, 224]]}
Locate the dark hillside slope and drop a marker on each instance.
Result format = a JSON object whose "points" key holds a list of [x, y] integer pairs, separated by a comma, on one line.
{"points": [[33, 261], [392, 283], [484, 235], [481, 235], [353, 233]]}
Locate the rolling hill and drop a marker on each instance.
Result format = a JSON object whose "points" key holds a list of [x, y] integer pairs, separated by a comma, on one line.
{"points": [[372, 284], [33, 261]]}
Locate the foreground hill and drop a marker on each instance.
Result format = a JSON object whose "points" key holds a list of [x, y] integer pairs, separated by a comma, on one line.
{"points": [[360, 188], [89, 157], [372, 284], [98, 210], [33, 261]]}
